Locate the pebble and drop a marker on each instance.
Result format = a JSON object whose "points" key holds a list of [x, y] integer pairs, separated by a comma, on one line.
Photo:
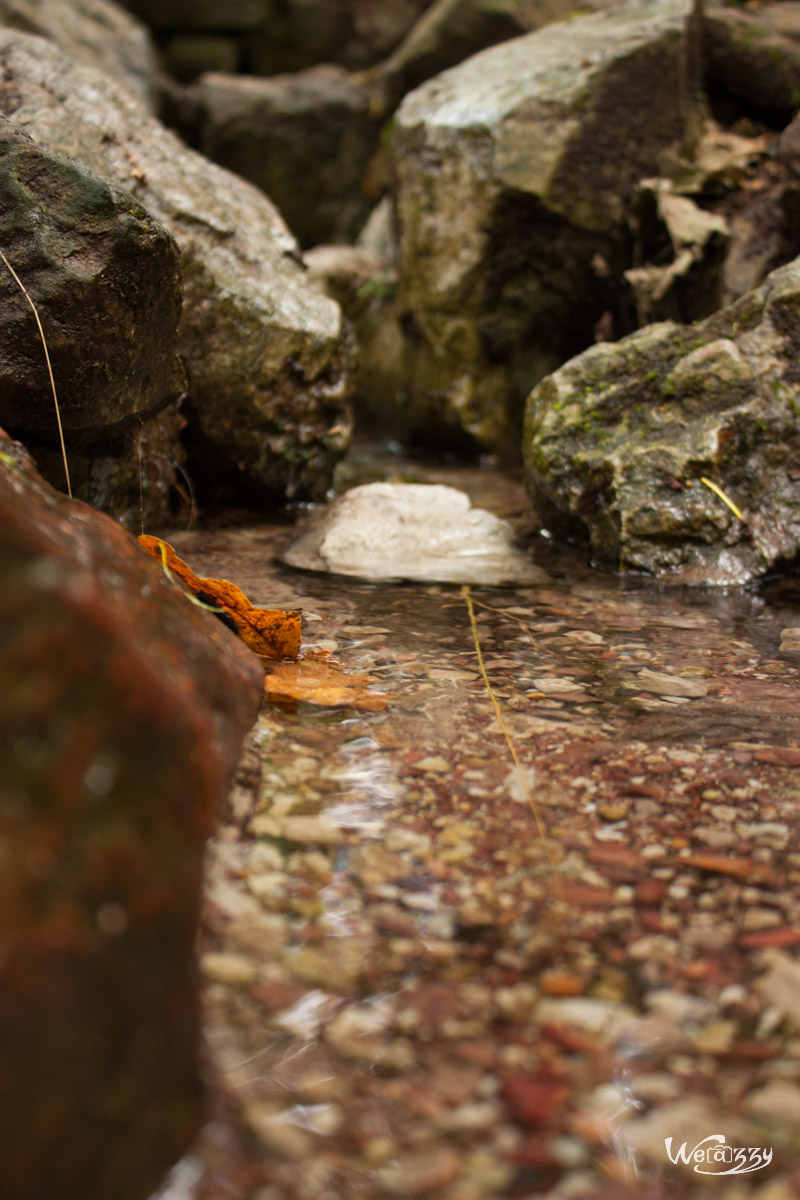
{"points": [[421, 1171], [435, 764], [228, 968], [669, 685]]}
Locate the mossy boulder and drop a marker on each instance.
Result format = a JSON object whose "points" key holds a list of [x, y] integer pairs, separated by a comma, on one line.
{"points": [[678, 448]]}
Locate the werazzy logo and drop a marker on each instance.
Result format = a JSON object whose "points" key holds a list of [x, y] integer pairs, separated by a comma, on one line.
{"points": [[712, 1156]]}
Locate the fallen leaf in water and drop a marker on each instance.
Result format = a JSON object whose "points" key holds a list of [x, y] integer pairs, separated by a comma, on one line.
{"points": [[270, 632], [321, 683]]}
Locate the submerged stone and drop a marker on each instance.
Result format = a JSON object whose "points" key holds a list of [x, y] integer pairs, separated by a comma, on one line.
{"points": [[425, 532]]}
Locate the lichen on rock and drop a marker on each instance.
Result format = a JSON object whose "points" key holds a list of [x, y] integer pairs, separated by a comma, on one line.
{"points": [[626, 439]]}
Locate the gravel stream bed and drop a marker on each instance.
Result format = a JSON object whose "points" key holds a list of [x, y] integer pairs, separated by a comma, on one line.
{"points": [[409, 994]]}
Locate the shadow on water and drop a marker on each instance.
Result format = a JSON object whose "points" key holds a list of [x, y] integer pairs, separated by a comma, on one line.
{"points": [[407, 996]]}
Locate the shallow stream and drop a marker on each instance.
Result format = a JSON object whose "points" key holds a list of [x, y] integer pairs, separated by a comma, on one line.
{"points": [[409, 991]]}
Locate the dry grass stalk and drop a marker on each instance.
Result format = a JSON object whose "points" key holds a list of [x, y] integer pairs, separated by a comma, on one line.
{"points": [[26, 294]]}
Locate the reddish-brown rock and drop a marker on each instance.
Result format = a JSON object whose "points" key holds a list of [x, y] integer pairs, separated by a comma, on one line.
{"points": [[122, 709]]}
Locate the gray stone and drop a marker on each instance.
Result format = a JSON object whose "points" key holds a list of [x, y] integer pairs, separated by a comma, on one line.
{"points": [[306, 139], [449, 31], [515, 174], [755, 56], [417, 531], [267, 357], [104, 275], [628, 439], [95, 32], [365, 285]]}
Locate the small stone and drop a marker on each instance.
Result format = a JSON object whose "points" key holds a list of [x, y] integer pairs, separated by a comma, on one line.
{"points": [[434, 763], [778, 1102], [228, 968], [669, 685], [613, 810], [311, 829], [421, 1171]]}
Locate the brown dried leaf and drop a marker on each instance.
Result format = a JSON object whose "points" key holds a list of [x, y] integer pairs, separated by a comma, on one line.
{"points": [[270, 632], [321, 683]]}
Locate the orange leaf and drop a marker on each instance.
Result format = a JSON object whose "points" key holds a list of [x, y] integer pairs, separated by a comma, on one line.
{"points": [[320, 683], [268, 631]]}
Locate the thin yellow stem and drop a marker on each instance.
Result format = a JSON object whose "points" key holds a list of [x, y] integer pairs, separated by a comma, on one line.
{"points": [[725, 499], [534, 807], [24, 291]]}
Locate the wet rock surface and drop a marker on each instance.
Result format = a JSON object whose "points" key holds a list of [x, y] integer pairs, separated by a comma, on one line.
{"points": [[104, 274], [122, 711], [427, 532], [267, 359], [514, 177], [409, 991], [678, 447]]}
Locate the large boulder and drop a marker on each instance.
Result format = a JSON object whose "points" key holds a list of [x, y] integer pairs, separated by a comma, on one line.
{"points": [[753, 58], [104, 275], [267, 357], [678, 448], [122, 710], [306, 139], [96, 32], [449, 31], [515, 173]]}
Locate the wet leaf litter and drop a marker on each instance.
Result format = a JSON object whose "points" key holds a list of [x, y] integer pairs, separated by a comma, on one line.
{"points": [[274, 635], [400, 1001]]}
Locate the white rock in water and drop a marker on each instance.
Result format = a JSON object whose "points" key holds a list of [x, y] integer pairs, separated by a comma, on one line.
{"points": [[420, 531]]}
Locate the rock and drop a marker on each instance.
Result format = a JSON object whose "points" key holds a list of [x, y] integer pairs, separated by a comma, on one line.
{"points": [[306, 140], [267, 357], [122, 710], [515, 177], [449, 31], [137, 477], [656, 443], [355, 33], [95, 32], [754, 57], [426, 532], [275, 38], [662, 684], [790, 640], [364, 283], [105, 277]]}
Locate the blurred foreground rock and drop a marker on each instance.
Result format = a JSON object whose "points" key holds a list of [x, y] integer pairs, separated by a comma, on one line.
{"points": [[267, 357], [621, 439], [122, 710], [515, 177]]}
